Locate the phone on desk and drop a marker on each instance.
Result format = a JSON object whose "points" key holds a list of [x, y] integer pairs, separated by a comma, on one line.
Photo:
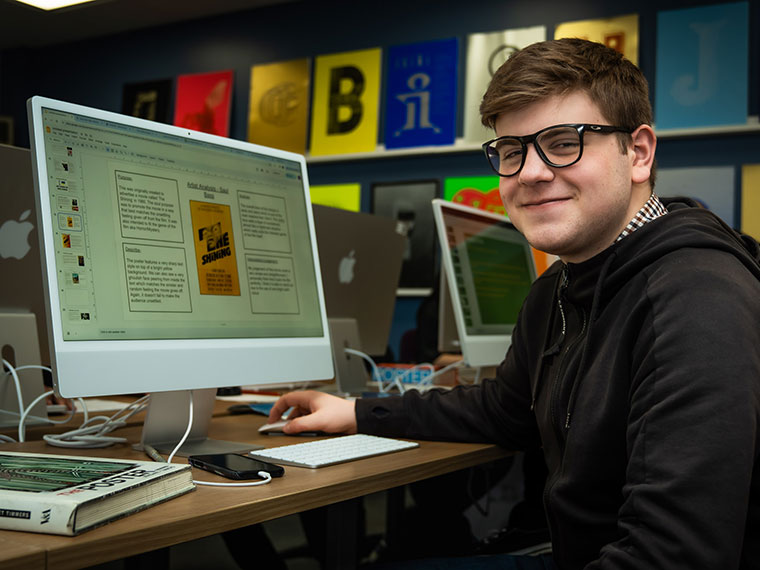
{"points": [[234, 466]]}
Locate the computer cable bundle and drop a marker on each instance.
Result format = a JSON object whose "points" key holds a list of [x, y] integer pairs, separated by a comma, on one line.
{"points": [[92, 433], [398, 381], [266, 477], [24, 413]]}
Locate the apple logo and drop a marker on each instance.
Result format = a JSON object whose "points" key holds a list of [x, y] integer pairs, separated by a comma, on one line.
{"points": [[14, 236], [346, 268]]}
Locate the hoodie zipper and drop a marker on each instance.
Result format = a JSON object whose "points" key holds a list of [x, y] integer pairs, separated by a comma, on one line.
{"points": [[565, 351]]}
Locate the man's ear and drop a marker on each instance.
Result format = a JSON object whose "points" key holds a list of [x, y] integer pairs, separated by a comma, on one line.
{"points": [[644, 144]]}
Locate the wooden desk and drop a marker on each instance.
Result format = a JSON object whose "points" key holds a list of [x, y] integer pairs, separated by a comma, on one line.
{"points": [[20, 556], [211, 510]]}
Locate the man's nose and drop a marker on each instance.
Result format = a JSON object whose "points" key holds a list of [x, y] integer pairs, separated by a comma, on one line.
{"points": [[534, 169]]}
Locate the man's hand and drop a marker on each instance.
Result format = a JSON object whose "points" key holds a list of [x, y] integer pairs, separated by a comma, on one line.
{"points": [[315, 411]]}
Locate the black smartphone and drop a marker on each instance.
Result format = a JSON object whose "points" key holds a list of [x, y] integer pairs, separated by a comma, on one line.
{"points": [[234, 466]]}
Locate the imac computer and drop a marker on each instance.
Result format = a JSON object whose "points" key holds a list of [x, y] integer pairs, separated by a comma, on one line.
{"points": [[489, 269], [361, 256], [23, 339], [173, 261]]}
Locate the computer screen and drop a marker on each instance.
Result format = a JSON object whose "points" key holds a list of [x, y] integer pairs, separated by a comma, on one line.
{"points": [[489, 269], [173, 259]]}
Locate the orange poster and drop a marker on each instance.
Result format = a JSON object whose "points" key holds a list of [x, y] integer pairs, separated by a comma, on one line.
{"points": [[214, 249]]}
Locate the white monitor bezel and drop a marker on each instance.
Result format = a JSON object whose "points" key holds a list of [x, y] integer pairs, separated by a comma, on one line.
{"points": [[114, 360], [482, 349]]}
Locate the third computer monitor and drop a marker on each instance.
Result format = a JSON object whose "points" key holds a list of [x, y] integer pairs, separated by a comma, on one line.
{"points": [[489, 269]]}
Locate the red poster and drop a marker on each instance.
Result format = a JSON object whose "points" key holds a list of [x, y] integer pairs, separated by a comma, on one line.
{"points": [[203, 102]]}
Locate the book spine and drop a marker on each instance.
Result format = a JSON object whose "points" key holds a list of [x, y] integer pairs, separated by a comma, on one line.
{"points": [[18, 514]]}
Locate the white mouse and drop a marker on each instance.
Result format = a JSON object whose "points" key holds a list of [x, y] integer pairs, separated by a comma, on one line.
{"points": [[274, 427]]}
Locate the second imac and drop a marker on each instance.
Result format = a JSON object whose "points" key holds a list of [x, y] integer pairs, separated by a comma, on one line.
{"points": [[361, 257], [489, 268]]}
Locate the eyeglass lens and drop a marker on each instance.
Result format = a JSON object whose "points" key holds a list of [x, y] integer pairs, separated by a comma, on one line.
{"points": [[560, 146]]}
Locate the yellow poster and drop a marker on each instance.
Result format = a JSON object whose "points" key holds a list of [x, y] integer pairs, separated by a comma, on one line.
{"points": [[345, 196], [620, 33], [214, 249], [345, 102], [751, 200], [279, 105]]}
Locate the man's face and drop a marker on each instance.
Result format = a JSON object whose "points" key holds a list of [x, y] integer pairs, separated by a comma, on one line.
{"points": [[577, 211]]}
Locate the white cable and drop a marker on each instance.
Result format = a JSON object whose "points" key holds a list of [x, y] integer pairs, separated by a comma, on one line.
{"points": [[12, 372], [90, 435], [25, 415], [187, 431], [266, 476], [375, 371], [24, 412], [399, 380], [263, 474]]}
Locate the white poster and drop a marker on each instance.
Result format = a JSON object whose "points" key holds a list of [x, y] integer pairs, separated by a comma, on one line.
{"points": [[485, 54]]}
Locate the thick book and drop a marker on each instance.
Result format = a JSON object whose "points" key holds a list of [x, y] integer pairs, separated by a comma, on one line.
{"points": [[62, 494]]}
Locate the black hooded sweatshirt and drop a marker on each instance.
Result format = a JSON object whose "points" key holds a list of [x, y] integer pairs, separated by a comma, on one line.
{"points": [[638, 373]]}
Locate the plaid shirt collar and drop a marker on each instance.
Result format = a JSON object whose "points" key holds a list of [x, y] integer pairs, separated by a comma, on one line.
{"points": [[652, 210]]}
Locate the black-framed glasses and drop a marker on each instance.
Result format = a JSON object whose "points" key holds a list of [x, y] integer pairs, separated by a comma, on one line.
{"points": [[558, 146]]}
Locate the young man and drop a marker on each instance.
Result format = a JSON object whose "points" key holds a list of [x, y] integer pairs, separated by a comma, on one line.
{"points": [[635, 365]]}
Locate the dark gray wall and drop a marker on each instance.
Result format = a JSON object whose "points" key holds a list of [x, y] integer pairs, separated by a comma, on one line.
{"points": [[93, 72]]}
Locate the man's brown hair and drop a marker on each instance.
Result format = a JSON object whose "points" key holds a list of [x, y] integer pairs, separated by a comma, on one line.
{"points": [[560, 67]]}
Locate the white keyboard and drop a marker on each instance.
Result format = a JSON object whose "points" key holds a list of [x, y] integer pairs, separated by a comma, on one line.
{"points": [[330, 451]]}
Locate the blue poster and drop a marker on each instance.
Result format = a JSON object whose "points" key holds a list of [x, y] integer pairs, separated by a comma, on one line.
{"points": [[702, 66], [421, 94]]}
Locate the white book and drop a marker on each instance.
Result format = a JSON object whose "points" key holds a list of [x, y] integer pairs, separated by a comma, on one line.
{"points": [[66, 494]]}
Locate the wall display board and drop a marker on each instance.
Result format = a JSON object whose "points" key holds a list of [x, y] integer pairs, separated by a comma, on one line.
{"points": [[409, 204], [148, 100], [620, 33], [485, 54], [701, 69], [278, 113], [713, 186], [203, 102], [345, 102], [421, 94], [343, 196]]}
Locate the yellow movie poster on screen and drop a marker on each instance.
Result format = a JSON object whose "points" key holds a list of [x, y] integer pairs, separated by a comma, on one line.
{"points": [[750, 222], [214, 249], [345, 102], [344, 196], [620, 33], [279, 105]]}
